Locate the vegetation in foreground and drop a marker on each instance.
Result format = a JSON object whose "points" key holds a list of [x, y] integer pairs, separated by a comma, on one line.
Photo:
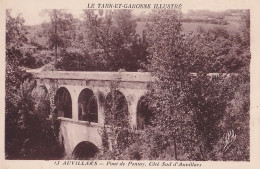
{"points": [[194, 117]]}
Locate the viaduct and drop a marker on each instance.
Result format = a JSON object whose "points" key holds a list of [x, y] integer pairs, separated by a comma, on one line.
{"points": [[77, 98]]}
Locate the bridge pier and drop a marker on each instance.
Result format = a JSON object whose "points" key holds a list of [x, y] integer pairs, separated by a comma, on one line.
{"points": [[75, 91], [100, 94], [132, 97]]}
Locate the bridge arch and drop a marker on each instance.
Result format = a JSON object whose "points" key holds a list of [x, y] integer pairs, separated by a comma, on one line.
{"points": [[42, 100], [143, 113], [87, 106], [63, 103], [43, 87], [116, 106], [85, 150]]}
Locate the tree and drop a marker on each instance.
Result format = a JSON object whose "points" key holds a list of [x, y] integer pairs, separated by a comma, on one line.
{"points": [[105, 41], [112, 39], [116, 133], [26, 136], [57, 31], [225, 50], [15, 36], [188, 107]]}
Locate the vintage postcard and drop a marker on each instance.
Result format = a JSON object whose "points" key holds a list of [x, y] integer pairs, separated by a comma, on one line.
{"points": [[130, 84]]}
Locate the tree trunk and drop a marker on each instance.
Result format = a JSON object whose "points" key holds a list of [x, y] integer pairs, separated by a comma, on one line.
{"points": [[175, 149], [56, 42], [56, 57]]}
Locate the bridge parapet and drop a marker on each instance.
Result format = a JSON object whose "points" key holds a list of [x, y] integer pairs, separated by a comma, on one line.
{"points": [[73, 132], [94, 76]]}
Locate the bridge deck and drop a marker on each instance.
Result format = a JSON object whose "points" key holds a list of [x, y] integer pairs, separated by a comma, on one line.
{"points": [[96, 76]]}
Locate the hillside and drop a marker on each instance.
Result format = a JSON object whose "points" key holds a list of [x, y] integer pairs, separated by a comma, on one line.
{"points": [[38, 36]]}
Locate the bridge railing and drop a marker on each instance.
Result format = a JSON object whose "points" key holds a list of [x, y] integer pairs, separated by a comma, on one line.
{"points": [[86, 123]]}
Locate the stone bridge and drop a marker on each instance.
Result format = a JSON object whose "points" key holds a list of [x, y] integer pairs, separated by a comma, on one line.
{"points": [[78, 100]]}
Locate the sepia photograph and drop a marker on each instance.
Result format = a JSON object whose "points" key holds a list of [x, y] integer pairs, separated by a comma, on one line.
{"points": [[148, 85], [128, 84]]}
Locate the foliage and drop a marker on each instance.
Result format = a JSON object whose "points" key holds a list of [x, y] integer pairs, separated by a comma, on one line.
{"points": [[238, 114], [75, 59], [192, 110], [15, 37], [105, 46], [113, 40], [58, 29], [28, 134], [226, 51], [32, 134], [189, 108], [116, 133]]}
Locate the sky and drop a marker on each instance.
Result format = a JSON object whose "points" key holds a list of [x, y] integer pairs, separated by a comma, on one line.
{"points": [[37, 16], [31, 9]]}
